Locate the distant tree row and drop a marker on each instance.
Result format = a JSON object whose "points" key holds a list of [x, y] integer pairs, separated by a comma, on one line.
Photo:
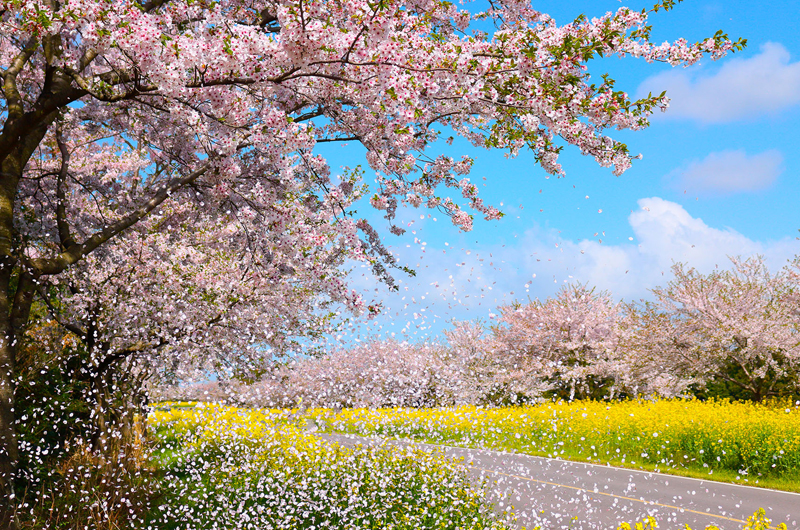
{"points": [[730, 333]]}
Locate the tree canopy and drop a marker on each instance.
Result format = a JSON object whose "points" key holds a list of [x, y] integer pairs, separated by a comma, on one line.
{"points": [[164, 154]]}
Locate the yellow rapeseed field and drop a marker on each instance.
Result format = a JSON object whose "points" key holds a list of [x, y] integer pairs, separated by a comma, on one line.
{"points": [[229, 467], [748, 439], [232, 468]]}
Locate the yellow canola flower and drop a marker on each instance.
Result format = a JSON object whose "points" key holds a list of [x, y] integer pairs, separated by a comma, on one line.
{"points": [[266, 431], [261, 462], [757, 521], [747, 438]]}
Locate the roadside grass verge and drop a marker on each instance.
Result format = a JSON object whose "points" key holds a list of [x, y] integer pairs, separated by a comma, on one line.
{"points": [[743, 443], [225, 467]]}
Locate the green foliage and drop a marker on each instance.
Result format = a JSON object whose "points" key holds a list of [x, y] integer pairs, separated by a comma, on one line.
{"points": [[62, 462], [119, 483], [51, 405]]}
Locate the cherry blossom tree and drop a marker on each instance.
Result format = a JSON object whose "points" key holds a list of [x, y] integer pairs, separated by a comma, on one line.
{"points": [[377, 373], [118, 113], [642, 369], [177, 305], [468, 347], [739, 326], [373, 374], [566, 345]]}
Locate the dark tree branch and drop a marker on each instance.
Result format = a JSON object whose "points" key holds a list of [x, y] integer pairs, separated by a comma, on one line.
{"points": [[13, 98], [61, 195], [54, 314], [23, 299], [45, 266]]}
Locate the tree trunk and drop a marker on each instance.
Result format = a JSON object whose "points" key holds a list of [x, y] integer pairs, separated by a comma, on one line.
{"points": [[19, 143], [9, 451], [13, 320], [15, 305]]}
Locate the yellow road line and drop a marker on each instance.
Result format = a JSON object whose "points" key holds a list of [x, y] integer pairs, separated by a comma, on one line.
{"points": [[653, 503]]}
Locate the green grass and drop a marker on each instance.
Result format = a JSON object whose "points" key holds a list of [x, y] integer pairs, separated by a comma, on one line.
{"points": [[691, 470]]}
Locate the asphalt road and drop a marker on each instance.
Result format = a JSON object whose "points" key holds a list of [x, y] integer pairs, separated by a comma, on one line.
{"points": [[553, 493]]}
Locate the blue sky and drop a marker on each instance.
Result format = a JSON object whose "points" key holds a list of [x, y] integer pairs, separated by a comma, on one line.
{"points": [[719, 177]]}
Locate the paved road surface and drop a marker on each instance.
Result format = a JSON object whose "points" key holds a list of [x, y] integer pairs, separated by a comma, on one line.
{"points": [[554, 493]]}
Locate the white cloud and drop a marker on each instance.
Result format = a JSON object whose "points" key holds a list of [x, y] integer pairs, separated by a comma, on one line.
{"points": [[468, 284], [741, 88], [729, 172], [664, 233]]}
